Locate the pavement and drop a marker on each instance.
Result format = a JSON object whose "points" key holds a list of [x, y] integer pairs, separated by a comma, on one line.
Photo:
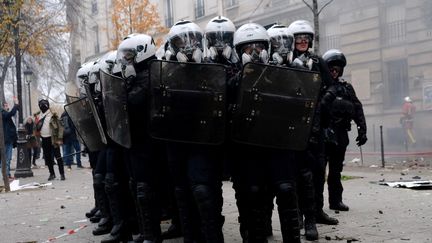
{"points": [[377, 213]]}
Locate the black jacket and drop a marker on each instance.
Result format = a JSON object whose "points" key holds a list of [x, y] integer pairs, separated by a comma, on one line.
{"points": [[9, 128]]}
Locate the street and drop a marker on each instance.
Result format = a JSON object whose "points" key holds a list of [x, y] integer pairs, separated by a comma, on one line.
{"points": [[377, 213]]}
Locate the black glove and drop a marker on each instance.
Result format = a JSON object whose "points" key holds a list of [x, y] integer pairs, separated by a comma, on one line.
{"points": [[361, 139]]}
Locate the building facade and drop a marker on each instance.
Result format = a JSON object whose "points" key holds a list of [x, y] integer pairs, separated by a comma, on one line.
{"points": [[388, 45]]}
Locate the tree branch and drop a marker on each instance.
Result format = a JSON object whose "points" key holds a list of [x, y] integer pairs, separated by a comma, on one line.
{"points": [[325, 5], [308, 5]]}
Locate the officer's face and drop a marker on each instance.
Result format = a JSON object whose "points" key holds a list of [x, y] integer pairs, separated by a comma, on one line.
{"points": [[302, 42], [335, 71]]}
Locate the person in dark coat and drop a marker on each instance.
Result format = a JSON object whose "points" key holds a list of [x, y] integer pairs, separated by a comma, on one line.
{"points": [[70, 142], [10, 132], [32, 141]]}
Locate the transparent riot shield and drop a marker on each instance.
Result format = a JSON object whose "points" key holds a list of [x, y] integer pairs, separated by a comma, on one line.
{"points": [[95, 113], [70, 99], [276, 106], [188, 102], [114, 98], [84, 121]]}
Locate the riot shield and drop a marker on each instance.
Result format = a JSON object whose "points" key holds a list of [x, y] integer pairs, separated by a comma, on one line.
{"points": [[70, 99], [188, 102], [84, 121], [276, 106], [114, 98], [95, 113]]}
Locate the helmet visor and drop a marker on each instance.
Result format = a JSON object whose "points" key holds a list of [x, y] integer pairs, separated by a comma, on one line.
{"points": [[94, 77], [281, 43], [126, 56], [220, 39], [186, 42], [303, 38]]}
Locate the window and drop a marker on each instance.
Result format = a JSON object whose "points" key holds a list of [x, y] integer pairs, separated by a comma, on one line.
{"points": [[231, 3], [332, 36], [199, 9], [169, 13], [394, 30], [397, 82], [94, 7]]}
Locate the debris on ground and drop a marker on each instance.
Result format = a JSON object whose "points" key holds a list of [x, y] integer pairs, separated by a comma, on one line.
{"points": [[14, 185], [411, 184]]}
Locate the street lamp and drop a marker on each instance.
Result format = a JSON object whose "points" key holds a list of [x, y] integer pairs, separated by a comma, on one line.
{"points": [[28, 73]]}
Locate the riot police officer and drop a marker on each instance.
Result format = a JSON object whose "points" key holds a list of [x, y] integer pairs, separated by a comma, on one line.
{"points": [[281, 41], [344, 107], [219, 48], [264, 171], [145, 155], [82, 78], [312, 173], [196, 168], [99, 169]]}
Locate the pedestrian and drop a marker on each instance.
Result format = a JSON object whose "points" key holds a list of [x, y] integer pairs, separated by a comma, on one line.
{"points": [[407, 121], [50, 129], [10, 133], [32, 141], [71, 143], [344, 107]]}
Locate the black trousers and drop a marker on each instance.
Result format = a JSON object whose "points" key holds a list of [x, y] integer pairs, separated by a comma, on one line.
{"points": [[197, 175], [50, 151], [335, 155], [259, 174]]}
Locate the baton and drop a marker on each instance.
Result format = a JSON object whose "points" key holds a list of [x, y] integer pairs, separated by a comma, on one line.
{"points": [[68, 155], [361, 155]]}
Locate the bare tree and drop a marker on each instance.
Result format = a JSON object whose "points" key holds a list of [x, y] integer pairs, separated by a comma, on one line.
{"points": [[316, 12]]}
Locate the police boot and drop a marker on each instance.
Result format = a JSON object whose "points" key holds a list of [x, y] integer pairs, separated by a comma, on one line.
{"points": [[209, 211], [92, 211], [323, 218], [119, 231], [96, 217], [311, 231], [286, 199], [242, 205], [105, 224], [340, 206], [306, 195], [149, 213], [268, 214], [187, 215], [174, 230], [256, 216], [133, 190]]}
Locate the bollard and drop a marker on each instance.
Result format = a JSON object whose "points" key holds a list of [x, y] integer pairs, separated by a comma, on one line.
{"points": [[382, 147], [23, 167]]}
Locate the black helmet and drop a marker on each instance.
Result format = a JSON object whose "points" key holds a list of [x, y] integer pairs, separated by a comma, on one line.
{"points": [[334, 57]]}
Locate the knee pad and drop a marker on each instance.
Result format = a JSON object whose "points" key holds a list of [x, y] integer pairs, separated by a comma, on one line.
{"points": [[98, 178], [255, 193], [144, 190], [201, 192], [286, 194], [110, 182]]}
